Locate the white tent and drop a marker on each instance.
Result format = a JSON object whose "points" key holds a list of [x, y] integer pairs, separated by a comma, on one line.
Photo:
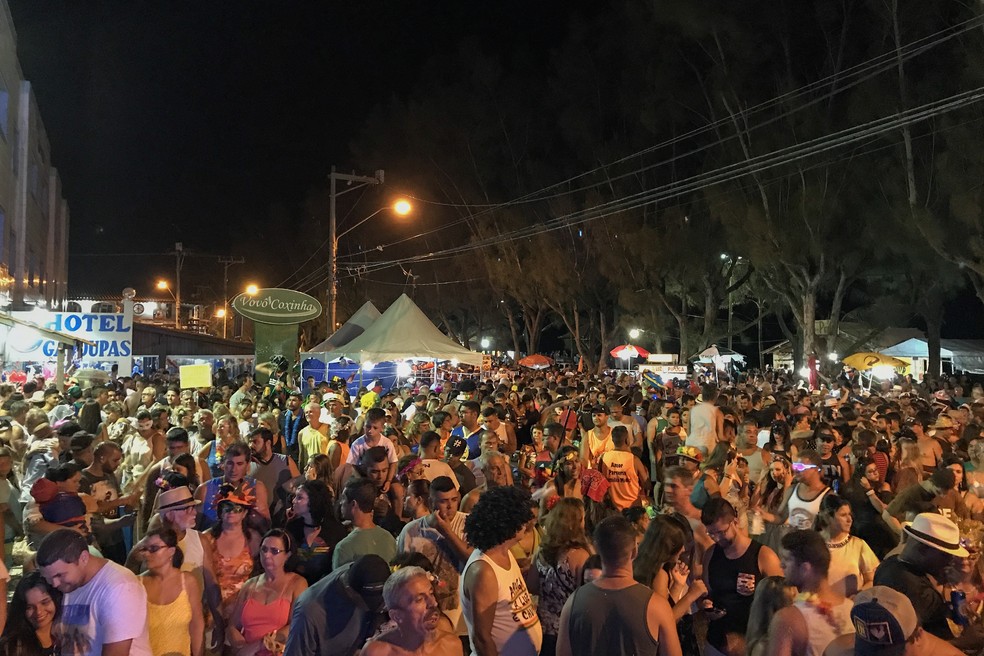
{"points": [[964, 354], [357, 324], [404, 332]]}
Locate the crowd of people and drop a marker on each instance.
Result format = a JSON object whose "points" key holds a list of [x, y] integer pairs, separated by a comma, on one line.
{"points": [[519, 513]]}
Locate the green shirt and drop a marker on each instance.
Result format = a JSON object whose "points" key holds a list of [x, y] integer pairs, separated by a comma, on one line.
{"points": [[360, 542]]}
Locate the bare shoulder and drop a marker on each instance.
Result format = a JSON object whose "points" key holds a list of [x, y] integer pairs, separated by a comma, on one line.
{"points": [[298, 584], [191, 583], [447, 644], [378, 646]]}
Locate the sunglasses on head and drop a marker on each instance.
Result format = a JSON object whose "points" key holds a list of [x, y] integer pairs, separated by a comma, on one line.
{"points": [[803, 466]]}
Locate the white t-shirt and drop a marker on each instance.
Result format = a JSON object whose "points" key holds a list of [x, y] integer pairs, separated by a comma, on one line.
{"points": [[435, 468], [359, 447], [112, 607]]}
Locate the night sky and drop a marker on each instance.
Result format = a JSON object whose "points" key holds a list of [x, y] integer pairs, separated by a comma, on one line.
{"points": [[199, 121]]}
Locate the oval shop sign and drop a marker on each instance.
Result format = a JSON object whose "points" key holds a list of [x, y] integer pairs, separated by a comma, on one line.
{"points": [[277, 306]]}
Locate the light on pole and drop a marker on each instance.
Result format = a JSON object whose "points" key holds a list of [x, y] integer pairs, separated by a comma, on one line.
{"points": [[401, 207], [360, 181], [634, 333], [164, 286]]}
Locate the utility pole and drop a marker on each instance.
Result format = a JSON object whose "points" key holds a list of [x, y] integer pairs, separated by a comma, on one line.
{"points": [[350, 178], [226, 262], [179, 259]]}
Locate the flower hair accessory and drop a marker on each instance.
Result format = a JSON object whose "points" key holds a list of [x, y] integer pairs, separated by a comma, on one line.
{"points": [[162, 484]]}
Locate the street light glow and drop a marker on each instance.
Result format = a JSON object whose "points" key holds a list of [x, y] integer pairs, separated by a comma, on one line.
{"points": [[252, 290], [485, 342], [161, 284], [220, 313], [634, 333], [402, 207]]}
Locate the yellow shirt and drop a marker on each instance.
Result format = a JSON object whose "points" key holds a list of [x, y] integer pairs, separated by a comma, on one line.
{"points": [[311, 442]]}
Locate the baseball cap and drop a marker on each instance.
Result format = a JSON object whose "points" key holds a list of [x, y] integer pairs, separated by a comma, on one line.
{"points": [[883, 620], [456, 446], [367, 576]]}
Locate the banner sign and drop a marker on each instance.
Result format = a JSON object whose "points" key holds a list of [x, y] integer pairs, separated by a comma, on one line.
{"points": [[277, 306], [111, 334]]}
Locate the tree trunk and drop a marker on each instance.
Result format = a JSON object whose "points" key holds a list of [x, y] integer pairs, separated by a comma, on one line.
{"points": [[513, 331], [795, 340], [602, 352], [809, 325], [532, 321], [934, 328]]}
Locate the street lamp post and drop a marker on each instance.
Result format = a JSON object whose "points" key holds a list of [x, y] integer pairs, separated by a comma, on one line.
{"points": [[223, 312], [162, 284], [361, 181]]}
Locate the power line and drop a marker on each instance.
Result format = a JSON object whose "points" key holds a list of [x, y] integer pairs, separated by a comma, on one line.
{"points": [[839, 82], [723, 174]]}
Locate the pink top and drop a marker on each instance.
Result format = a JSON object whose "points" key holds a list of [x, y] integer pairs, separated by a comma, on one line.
{"points": [[258, 619]]}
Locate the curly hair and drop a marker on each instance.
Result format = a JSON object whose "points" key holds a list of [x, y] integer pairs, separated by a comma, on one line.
{"points": [[501, 512]]}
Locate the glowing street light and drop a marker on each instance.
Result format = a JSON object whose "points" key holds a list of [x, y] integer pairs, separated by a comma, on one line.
{"points": [[223, 312], [163, 285], [402, 207], [634, 333], [485, 342]]}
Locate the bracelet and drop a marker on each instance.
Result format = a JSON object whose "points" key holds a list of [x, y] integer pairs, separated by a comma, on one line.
{"points": [[869, 492]]}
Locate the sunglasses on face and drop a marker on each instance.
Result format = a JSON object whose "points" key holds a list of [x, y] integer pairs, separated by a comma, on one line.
{"points": [[233, 508], [152, 548]]}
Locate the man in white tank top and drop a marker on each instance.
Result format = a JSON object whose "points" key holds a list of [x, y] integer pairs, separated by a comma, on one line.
{"points": [[706, 421], [819, 614], [496, 604]]}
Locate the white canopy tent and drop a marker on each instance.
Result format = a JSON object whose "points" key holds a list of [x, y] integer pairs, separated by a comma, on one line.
{"points": [[403, 332], [357, 324], [963, 354]]}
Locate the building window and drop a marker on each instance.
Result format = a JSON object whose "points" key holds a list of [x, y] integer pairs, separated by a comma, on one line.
{"points": [[72, 306]]}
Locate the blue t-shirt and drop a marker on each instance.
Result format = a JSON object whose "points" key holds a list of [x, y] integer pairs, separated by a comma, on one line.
{"points": [[473, 440]]}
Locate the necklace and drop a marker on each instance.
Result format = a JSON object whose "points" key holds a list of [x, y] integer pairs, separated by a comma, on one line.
{"points": [[838, 545]]}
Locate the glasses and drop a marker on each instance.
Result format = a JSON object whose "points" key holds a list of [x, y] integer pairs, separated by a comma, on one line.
{"points": [[825, 437], [272, 550], [802, 466], [153, 548], [233, 508]]}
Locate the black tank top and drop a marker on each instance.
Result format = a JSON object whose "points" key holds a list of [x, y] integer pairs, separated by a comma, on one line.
{"points": [[733, 583], [611, 622], [830, 469]]}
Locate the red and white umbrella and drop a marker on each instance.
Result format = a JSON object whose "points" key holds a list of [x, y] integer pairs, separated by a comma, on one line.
{"points": [[627, 351]]}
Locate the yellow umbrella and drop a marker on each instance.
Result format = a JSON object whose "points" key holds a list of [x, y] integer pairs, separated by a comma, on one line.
{"points": [[869, 360]]}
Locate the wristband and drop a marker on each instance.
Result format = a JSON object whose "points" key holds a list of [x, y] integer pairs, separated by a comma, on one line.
{"points": [[869, 492]]}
